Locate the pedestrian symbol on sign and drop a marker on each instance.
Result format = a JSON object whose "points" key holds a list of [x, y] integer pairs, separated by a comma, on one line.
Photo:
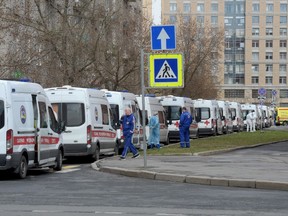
{"points": [[165, 72]]}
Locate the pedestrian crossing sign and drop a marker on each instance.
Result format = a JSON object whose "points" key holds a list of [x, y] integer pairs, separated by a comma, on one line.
{"points": [[166, 71]]}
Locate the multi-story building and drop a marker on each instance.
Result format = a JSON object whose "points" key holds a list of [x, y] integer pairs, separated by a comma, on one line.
{"points": [[255, 53]]}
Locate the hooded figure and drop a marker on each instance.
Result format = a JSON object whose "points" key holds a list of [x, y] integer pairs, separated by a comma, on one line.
{"points": [[249, 122], [154, 131]]}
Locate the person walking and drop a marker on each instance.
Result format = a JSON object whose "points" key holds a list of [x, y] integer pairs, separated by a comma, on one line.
{"points": [[253, 121], [154, 131], [128, 125], [185, 122], [249, 122]]}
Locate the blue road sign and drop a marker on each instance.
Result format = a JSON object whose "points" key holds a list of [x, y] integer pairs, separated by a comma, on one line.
{"points": [[262, 91], [166, 70], [163, 37], [274, 92]]}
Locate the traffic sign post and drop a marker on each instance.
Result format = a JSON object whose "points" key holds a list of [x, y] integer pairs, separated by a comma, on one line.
{"points": [[166, 71], [262, 98], [163, 37]]}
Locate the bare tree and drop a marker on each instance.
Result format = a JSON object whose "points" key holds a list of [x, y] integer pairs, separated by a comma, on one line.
{"points": [[83, 43]]}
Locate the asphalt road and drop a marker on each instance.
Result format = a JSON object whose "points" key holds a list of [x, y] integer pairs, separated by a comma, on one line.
{"points": [[78, 190]]}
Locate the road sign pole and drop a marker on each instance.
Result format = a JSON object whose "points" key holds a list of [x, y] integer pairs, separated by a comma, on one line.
{"points": [[143, 108]]}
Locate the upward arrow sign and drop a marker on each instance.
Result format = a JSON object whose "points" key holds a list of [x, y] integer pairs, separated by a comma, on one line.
{"points": [[163, 36]]}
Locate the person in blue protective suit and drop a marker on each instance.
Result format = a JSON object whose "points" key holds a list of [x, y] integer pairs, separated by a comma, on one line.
{"points": [[185, 122], [128, 125], [154, 131]]}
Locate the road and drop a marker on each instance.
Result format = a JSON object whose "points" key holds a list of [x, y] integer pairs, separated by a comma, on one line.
{"points": [[80, 191]]}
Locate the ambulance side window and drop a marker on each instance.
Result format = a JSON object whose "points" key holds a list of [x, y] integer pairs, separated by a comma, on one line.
{"points": [[43, 115], [52, 120], [105, 115], [2, 117]]}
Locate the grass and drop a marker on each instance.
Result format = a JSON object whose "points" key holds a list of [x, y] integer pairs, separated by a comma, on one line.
{"points": [[222, 142]]}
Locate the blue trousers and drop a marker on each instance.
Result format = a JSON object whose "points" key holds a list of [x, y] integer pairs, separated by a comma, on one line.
{"points": [[128, 145], [184, 137]]}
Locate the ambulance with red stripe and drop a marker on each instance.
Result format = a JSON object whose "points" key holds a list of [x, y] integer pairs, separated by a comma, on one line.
{"points": [[118, 101], [152, 106], [29, 131], [210, 121], [237, 119], [173, 109], [88, 119], [226, 116]]}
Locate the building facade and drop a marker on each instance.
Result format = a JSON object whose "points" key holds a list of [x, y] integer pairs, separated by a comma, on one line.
{"points": [[255, 53]]}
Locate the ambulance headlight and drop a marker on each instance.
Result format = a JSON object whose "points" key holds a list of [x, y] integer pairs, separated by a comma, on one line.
{"points": [[8, 157]]}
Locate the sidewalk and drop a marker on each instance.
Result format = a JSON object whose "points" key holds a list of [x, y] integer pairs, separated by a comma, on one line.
{"points": [[262, 167]]}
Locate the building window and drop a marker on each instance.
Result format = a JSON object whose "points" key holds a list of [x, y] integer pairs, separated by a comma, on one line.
{"points": [[269, 68], [283, 55], [186, 19], [283, 8], [283, 19], [239, 68], [228, 68], [255, 31], [255, 68], [269, 19], [228, 44], [255, 43], [269, 56], [240, 44], [214, 20], [283, 43], [200, 7], [172, 19], [283, 31], [255, 7], [173, 7], [283, 68], [228, 21], [234, 93], [282, 80], [269, 43], [269, 31], [214, 7], [255, 56], [240, 8], [255, 20], [255, 80], [269, 80], [283, 93], [240, 21], [228, 57], [229, 8], [240, 32], [200, 19], [186, 7], [269, 8]]}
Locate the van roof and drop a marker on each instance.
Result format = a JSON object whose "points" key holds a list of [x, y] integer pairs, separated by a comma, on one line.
{"points": [[123, 95], [90, 91], [23, 87]]}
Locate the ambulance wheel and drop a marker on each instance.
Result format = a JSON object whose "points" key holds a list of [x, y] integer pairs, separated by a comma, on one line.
{"points": [[23, 168], [167, 142], [59, 161], [96, 155]]}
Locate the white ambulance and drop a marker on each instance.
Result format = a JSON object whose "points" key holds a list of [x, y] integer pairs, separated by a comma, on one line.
{"points": [[226, 116], [246, 108], [153, 105], [266, 114], [210, 122], [29, 131], [173, 108], [88, 119], [118, 101], [238, 123]]}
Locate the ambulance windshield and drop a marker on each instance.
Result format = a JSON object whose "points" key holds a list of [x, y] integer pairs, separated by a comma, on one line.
{"points": [[2, 114], [173, 112]]}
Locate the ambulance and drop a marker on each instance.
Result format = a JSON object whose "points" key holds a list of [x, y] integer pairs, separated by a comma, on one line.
{"points": [[152, 106], [30, 134], [237, 118], [226, 116], [88, 118], [267, 114], [281, 116], [173, 108], [118, 101], [246, 108], [210, 122]]}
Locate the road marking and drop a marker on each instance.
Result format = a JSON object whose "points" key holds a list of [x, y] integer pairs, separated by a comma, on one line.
{"points": [[68, 171], [71, 166]]}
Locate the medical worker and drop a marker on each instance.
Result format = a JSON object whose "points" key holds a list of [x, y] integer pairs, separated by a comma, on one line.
{"points": [[185, 122], [253, 121], [154, 131], [249, 122], [128, 125]]}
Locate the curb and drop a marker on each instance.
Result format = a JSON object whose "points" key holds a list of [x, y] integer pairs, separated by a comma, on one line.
{"points": [[202, 180]]}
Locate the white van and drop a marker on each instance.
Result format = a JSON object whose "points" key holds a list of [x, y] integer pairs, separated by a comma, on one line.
{"points": [[173, 108], [152, 105], [246, 108], [210, 122], [29, 131], [89, 123], [266, 113], [118, 101], [237, 119], [226, 116]]}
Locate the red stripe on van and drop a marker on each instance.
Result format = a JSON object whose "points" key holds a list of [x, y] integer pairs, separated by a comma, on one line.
{"points": [[30, 140], [106, 134]]}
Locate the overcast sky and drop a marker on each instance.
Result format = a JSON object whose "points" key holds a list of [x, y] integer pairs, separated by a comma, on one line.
{"points": [[156, 12]]}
